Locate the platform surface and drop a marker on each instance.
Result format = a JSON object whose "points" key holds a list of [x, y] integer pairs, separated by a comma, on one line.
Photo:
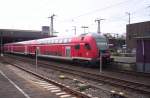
{"points": [[124, 59], [13, 86]]}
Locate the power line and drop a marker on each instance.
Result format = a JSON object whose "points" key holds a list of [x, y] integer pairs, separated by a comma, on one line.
{"points": [[101, 9]]}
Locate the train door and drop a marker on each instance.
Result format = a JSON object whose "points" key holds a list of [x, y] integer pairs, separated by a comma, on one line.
{"points": [[11, 48], [67, 51], [26, 52]]}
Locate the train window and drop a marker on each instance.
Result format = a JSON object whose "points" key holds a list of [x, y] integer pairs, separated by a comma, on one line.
{"points": [[77, 47], [55, 40], [48, 41], [60, 40], [87, 46], [69, 40], [52, 41], [65, 40]]}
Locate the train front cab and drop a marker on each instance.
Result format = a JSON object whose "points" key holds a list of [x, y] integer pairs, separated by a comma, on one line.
{"points": [[102, 47]]}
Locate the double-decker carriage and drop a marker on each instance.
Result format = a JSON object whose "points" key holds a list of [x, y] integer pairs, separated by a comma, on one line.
{"points": [[86, 47]]}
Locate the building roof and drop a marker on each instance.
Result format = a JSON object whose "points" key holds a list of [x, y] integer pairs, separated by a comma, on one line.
{"points": [[18, 30], [139, 23], [144, 37]]}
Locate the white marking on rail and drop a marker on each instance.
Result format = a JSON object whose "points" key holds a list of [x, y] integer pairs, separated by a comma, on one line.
{"points": [[15, 85], [55, 91], [64, 96], [46, 86], [41, 82], [54, 88], [61, 93]]}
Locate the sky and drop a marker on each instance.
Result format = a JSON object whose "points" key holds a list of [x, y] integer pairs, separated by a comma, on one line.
{"points": [[32, 14]]}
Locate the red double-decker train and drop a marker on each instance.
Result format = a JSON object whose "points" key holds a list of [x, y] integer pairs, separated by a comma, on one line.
{"points": [[86, 47]]}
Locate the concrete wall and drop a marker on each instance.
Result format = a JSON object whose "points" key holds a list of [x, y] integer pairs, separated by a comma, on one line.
{"points": [[143, 55]]}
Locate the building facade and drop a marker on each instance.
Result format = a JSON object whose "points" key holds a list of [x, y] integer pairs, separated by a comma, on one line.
{"points": [[141, 29], [143, 54]]}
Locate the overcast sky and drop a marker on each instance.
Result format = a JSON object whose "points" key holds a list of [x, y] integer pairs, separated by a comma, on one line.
{"points": [[32, 14]]}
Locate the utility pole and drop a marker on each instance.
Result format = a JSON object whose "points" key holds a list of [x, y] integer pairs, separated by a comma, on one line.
{"points": [[129, 14], [75, 29], [99, 22], [84, 28], [51, 24]]}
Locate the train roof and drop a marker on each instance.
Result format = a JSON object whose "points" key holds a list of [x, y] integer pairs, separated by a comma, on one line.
{"points": [[57, 39], [92, 34]]}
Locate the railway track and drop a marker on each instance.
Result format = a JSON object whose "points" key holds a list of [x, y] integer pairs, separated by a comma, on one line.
{"points": [[75, 93], [128, 72], [125, 84]]}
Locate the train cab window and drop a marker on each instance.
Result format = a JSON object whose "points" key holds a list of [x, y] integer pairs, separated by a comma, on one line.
{"points": [[87, 46], [77, 47]]}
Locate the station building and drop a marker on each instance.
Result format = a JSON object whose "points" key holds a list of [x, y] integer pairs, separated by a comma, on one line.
{"points": [[15, 35], [141, 29], [138, 38], [143, 54]]}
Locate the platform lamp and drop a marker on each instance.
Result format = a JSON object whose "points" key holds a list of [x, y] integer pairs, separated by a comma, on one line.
{"points": [[2, 44]]}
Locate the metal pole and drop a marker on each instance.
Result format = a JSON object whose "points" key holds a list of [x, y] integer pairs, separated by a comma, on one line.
{"points": [[100, 65], [84, 28], [129, 14], [36, 59], [1, 44], [74, 30], [99, 22], [52, 25]]}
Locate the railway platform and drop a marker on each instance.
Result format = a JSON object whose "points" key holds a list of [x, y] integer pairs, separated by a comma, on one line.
{"points": [[124, 59], [14, 86], [7, 89], [124, 63]]}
